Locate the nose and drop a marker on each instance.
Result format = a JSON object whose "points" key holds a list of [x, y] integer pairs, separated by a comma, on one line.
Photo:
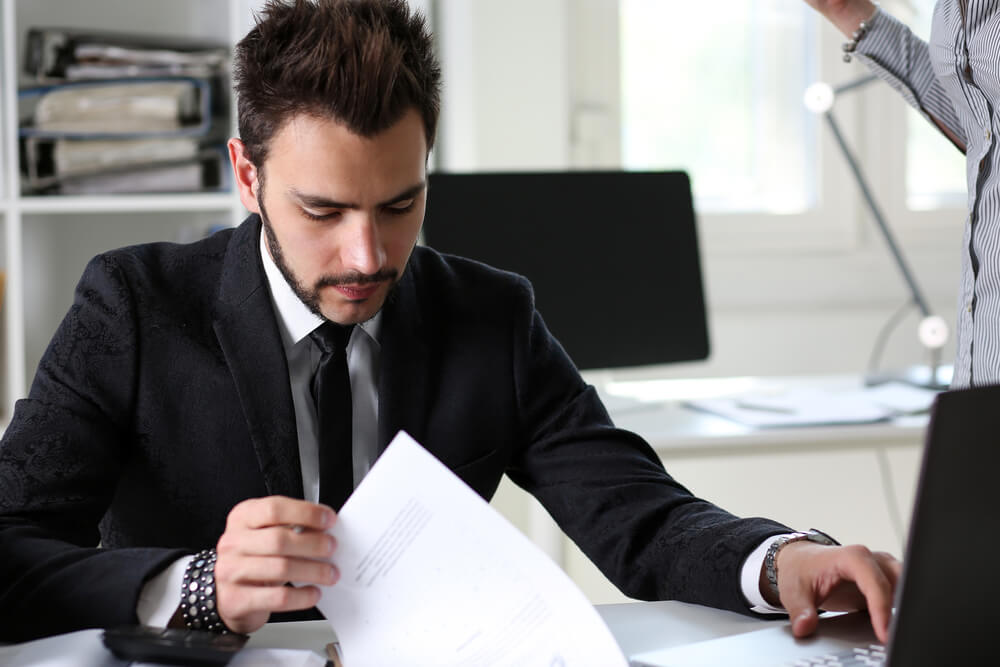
{"points": [[362, 250]]}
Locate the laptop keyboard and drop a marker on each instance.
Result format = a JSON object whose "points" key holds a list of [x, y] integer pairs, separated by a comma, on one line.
{"points": [[872, 655]]}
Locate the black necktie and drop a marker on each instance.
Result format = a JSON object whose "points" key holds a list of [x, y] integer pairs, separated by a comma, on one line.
{"points": [[331, 389]]}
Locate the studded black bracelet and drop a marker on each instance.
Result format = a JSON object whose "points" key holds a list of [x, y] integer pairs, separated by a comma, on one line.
{"points": [[198, 594]]}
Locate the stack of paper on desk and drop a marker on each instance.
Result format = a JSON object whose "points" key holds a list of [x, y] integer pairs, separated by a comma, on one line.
{"points": [[807, 407], [432, 575]]}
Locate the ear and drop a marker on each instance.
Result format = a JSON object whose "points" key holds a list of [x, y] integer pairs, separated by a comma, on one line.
{"points": [[245, 173]]}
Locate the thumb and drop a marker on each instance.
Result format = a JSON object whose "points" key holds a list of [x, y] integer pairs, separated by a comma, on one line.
{"points": [[797, 599]]}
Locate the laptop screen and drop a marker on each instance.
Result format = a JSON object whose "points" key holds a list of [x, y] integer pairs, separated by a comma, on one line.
{"points": [[949, 603]]}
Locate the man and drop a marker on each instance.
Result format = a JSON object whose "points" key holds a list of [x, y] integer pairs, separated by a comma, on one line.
{"points": [[183, 405]]}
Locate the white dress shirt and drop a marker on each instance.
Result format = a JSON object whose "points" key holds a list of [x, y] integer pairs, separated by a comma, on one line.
{"points": [[296, 322], [160, 596]]}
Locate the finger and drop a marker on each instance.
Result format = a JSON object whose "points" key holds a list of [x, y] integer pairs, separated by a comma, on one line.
{"points": [[798, 599], [278, 541], [239, 603], [796, 588], [280, 511], [891, 567], [273, 570], [865, 570]]}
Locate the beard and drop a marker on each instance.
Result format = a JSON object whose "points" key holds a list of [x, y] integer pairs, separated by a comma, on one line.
{"points": [[310, 295]]}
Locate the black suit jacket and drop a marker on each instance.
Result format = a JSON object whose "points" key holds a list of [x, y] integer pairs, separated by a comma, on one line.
{"points": [[163, 400]]}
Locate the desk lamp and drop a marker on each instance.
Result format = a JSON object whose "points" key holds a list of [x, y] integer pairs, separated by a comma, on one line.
{"points": [[932, 331]]}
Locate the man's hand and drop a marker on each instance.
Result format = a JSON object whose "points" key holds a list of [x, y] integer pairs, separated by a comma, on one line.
{"points": [[813, 576], [269, 542]]}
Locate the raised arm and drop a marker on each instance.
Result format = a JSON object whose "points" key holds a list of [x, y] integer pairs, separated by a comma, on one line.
{"points": [[897, 57]]}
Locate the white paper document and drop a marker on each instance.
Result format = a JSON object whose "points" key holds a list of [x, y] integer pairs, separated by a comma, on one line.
{"points": [[432, 575], [806, 407]]}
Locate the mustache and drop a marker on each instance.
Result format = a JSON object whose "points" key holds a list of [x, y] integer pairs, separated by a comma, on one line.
{"points": [[358, 278]]}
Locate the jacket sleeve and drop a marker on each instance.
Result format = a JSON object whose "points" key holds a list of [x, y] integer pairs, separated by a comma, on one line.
{"points": [[59, 463], [609, 492]]}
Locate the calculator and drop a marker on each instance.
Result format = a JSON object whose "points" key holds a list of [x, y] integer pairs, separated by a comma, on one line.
{"points": [[172, 646]]}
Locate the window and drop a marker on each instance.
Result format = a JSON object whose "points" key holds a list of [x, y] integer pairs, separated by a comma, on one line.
{"points": [[703, 80], [716, 88]]}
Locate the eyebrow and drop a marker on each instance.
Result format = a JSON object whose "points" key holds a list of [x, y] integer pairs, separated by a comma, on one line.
{"points": [[319, 201]]}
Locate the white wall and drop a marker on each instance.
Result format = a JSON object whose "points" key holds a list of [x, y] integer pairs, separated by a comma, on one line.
{"points": [[506, 88]]}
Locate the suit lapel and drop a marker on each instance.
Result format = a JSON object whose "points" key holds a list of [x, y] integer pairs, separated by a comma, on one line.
{"points": [[404, 378], [247, 330]]}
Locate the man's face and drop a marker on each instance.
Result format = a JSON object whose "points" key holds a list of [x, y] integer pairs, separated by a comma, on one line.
{"points": [[341, 212]]}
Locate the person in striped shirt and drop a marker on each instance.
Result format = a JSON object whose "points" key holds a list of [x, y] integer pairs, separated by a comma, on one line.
{"points": [[953, 80]]}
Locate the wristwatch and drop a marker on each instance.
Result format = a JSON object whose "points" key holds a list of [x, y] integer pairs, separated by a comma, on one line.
{"points": [[771, 559]]}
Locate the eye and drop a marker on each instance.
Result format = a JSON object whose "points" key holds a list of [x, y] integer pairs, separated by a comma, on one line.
{"points": [[401, 207], [320, 216]]}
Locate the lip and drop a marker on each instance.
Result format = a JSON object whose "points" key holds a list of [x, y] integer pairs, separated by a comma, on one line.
{"points": [[358, 292]]}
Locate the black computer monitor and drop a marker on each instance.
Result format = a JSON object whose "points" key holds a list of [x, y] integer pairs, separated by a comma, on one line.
{"points": [[613, 256]]}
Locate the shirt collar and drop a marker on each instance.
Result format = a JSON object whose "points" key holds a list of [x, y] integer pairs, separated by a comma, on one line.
{"points": [[295, 320]]}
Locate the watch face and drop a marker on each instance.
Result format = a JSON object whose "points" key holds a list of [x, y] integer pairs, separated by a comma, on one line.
{"points": [[820, 537]]}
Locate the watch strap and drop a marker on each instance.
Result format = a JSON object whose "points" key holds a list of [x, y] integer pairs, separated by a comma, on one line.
{"points": [[771, 558]]}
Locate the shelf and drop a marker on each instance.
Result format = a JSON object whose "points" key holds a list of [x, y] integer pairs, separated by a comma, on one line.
{"points": [[47, 240], [224, 201], [197, 19]]}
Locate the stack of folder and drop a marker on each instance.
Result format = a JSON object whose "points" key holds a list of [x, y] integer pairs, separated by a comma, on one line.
{"points": [[107, 113]]}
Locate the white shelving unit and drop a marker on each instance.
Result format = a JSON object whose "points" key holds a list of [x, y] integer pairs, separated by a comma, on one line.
{"points": [[47, 240]]}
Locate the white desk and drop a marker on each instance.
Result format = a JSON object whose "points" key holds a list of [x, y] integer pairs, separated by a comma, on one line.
{"points": [[638, 627], [646, 626], [678, 431]]}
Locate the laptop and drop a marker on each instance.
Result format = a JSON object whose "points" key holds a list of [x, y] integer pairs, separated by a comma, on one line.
{"points": [[948, 603]]}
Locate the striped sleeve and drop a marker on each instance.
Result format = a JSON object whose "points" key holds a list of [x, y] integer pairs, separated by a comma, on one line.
{"points": [[894, 54]]}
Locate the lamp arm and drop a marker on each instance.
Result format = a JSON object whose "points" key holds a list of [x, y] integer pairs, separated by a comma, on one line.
{"points": [[933, 330], [901, 264], [857, 83]]}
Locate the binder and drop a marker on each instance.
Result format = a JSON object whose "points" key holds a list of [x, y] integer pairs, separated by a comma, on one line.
{"points": [[207, 173], [59, 54], [123, 136], [119, 113], [206, 170], [117, 108], [132, 135]]}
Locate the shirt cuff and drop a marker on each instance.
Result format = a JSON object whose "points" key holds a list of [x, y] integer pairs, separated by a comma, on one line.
{"points": [[161, 596], [750, 579]]}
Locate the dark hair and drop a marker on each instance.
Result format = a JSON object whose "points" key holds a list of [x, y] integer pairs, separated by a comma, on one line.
{"points": [[361, 62]]}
